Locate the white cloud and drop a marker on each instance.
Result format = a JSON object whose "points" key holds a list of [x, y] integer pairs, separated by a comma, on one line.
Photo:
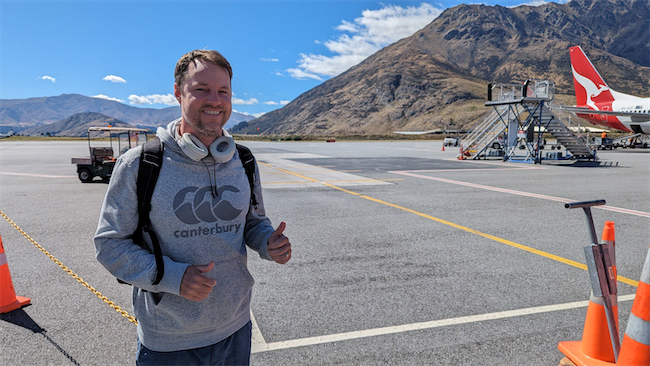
{"points": [[239, 101], [114, 79], [369, 33], [47, 77], [256, 115], [102, 96], [534, 3], [299, 74], [270, 59], [167, 99], [282, 102]]}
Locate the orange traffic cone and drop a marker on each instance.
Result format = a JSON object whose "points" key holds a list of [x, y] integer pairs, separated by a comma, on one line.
{"points": [[595, 349], [635, 349], [443, 147], [609, 239], [8, 299]]}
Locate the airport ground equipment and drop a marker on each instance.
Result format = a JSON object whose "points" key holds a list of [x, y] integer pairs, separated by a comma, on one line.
{"points": [[637, 140], [601, 272], [102, 158], [521, 114], [486, 133], [450, 141], [605, 143]]}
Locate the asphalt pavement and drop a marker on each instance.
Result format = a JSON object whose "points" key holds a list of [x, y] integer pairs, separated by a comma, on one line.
{"points": [[402, 255]]}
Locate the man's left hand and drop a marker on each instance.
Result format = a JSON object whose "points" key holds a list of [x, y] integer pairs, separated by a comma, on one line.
{"points": [[279, 246]]}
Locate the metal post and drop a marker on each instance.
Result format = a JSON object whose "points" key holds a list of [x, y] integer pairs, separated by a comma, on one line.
{"points": [[601, 273]]}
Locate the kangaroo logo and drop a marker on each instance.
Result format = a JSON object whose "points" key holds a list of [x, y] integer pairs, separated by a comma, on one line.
{"points": [[203, 207], [591, 88]]}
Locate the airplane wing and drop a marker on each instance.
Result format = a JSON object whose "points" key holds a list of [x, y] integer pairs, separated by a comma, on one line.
{"points": [[636, 117]]}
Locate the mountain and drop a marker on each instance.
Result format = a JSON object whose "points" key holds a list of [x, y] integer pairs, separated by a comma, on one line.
{"points": [[437, 78], [45, 110], [75, 125]]}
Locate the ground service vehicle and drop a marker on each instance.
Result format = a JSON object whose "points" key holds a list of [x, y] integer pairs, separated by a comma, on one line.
{"points": [[102, 158], [451, 141]]}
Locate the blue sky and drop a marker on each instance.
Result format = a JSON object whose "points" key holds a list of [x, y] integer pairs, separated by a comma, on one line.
{"points": [[127, 50]]}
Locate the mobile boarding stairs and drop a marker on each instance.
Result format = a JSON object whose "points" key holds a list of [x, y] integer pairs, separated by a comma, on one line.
{"points": [[514, 129]]}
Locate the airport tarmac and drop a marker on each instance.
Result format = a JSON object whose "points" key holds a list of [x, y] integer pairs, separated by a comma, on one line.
{"points": [[402, 255]]}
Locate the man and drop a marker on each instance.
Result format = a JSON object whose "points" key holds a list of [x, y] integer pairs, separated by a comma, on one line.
{"points": [[199, 312]]}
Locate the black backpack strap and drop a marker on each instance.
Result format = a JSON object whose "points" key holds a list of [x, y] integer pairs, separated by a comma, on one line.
{"points": [[151, 160], [248, 161]]}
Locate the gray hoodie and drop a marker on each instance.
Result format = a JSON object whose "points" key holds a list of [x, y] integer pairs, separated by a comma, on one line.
{"points": [[193, 229]]}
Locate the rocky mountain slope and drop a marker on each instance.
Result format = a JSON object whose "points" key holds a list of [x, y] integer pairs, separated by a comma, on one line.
{"points": [[75, 125], [46, 110], [438, 77]]}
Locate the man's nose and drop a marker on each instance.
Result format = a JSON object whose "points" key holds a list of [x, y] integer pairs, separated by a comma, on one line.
{"points": [[214, 97]]}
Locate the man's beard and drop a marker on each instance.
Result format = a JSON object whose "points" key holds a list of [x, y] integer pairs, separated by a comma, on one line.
{"points": [[200, 127]]}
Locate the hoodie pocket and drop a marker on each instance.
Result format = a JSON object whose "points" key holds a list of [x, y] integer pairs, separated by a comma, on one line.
{"points": [[228, 302]]}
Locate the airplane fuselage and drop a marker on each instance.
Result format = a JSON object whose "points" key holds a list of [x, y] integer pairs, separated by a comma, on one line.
{"points": [[623, 103], [619, 111]]}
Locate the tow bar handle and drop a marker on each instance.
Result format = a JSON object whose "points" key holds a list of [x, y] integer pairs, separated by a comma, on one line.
{"points": [[586, 206]]}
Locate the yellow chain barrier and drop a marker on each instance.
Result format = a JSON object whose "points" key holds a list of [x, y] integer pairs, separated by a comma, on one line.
{"points": [[71, 273]]}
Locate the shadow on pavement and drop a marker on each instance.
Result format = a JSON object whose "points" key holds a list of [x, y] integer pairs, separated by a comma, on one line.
{"points": [[21, 318]]}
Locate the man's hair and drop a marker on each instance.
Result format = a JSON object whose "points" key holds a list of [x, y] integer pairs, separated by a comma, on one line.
{"points": [[212, 57]]}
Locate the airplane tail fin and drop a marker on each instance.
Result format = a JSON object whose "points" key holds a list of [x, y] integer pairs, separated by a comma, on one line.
{"points": [[589, 86]]}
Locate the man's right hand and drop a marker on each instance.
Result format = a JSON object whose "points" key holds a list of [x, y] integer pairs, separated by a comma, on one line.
{"points": [[194, 285]]}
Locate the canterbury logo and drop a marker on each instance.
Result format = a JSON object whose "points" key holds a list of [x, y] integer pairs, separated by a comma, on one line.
{"points": [[203, 207]]}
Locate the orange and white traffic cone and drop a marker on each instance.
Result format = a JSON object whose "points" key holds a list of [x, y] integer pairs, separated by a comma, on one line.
{"points": [[443, 147], [635, 349], [595, 349], [8, 299]]}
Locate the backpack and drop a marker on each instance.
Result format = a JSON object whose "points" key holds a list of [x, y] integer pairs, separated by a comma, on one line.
{"points": [[151, 159]]}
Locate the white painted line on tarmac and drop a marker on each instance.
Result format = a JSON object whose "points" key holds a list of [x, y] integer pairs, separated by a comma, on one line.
{"points": [[519, 193], [257, 339], [310, 341], [39, 175]]}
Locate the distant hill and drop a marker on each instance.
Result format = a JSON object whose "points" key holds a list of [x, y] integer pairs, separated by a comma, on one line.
{"points": [[45, 110], [437, 78], [76, 125]]}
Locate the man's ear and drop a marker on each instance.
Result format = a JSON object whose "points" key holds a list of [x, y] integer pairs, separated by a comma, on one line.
{"points": [[177, 93]]}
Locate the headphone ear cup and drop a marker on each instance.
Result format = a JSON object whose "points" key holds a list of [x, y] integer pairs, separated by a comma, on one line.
{"points": [[223, 149], [192, 147]]}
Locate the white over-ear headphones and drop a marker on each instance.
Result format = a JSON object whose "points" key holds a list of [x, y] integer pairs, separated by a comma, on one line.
{"points": [[222, 149]]}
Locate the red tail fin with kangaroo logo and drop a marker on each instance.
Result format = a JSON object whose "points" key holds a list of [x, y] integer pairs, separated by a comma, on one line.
{"points": [[591, 90]]}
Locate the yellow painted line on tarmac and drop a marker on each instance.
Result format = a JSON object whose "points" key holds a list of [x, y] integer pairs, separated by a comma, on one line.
{"points": [[460, 227], [333, 181], [313, 171]]}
